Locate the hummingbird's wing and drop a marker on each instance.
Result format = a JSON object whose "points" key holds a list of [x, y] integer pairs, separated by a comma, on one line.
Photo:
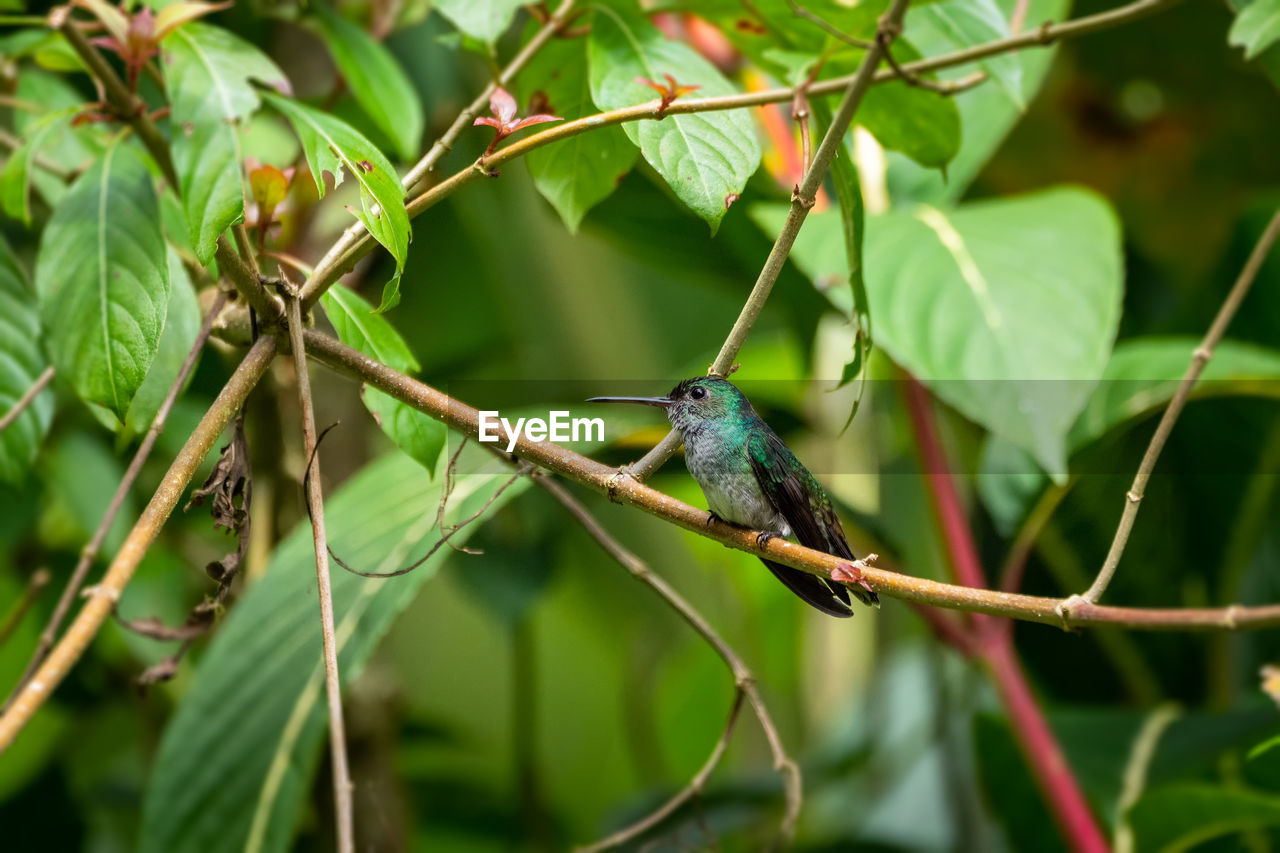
{"points": [[800, 499]]}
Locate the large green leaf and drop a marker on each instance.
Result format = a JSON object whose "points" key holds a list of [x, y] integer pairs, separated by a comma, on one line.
{"points": [[377, 81], [331, 145], [207, 71], [706, 158], [482, 19], [1256, 28], [181, 325], [577, 173], [20, 363], [991, 305], [415, 433], [1140, 378], [103, 280], [235, 764], [1179, 817]]}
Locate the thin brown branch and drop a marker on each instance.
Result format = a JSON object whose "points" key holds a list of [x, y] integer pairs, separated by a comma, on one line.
{"points": [[684, 795], [39, 580], [355, 243], [1199, 358], [621, 489], [102, 598], [90, 551], [827, 27], [802, 201], [742, 676], [13, 143], [130, 109], [342, 799], [28, 396]]}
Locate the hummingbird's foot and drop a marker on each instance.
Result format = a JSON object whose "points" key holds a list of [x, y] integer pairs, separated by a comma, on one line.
{"points": [[763, 537], [851, 573], [712, 518]]}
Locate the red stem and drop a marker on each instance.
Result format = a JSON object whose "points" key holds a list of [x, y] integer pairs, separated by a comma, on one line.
{"points": [[995, 647]]}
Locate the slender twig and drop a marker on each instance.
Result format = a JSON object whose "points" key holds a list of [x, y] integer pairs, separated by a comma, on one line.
{"points": [[1199, 358], [131, 110], [101, 600], [684, 795], [39, 580], [355, 242], [802, 201], [801, 12], [28, 396], [90, 551], [742, 676], [342, 799], [338, 260], [13, 143], [621, 489]]}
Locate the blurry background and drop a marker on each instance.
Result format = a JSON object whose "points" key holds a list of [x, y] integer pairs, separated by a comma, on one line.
{"points": [[536, 696]]}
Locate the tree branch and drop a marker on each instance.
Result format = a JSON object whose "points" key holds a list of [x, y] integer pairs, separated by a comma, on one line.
{"points": [[315, 510], [742, 677], [102, 598], [620, 489], [90, 551], [28, 396], [1199, 358]]}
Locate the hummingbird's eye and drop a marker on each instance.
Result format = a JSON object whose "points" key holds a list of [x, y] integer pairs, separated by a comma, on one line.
{"points": [[697, 392]]}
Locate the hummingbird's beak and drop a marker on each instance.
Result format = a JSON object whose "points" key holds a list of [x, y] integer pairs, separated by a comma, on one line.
{"points": [[663, 402]]}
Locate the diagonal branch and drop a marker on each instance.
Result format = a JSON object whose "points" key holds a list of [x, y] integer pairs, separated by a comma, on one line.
{"points": [[342, 787], [625, 490], [90, 551], [742, 677], [1199, 358], [102, 598], [27, 398]]}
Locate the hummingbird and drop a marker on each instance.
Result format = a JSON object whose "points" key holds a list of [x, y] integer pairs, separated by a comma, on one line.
{"points": [[752, 479]]}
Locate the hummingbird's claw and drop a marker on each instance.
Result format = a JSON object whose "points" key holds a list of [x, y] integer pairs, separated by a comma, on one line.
{"points": [[763, 537]]}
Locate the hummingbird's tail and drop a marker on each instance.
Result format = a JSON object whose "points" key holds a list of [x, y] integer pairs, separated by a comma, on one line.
{"points": [[830, 598]]}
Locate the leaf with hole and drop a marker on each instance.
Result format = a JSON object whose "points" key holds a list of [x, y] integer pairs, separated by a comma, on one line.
{"points": [[102, 275], [332, 145]]}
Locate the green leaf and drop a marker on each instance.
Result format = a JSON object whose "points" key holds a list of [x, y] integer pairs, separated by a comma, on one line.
{"points": [[181, 325], [987, 302], [82, 475], [577, 173], [207, 71], [332, 144], [1140, 379], [236, 762], [706, 158], [967, 23], [417, 434], [481, 19], [1177, 818], [102, 276], [377, 81], [21, 362], [1257, 27], [15, 179]]}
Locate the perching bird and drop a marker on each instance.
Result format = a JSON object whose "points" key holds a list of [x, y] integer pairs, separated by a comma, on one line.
{"points": [[751, 478]]}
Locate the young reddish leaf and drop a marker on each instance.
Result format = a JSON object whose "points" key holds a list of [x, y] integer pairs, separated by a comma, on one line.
{"points": [[503, 121], [668, 92], [175, 15], [502, 105], [269, 186]]}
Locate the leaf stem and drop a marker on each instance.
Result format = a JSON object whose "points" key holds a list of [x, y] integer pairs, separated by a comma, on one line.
{"points": [[27, 398], [342, 799], [1199, 358]]}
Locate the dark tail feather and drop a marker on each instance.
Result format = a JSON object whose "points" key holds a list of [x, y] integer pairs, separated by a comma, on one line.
{"points": [[832, 599]]}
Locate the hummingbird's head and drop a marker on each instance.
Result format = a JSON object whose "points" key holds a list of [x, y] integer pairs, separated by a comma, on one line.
{"points": [[694, 402]]}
